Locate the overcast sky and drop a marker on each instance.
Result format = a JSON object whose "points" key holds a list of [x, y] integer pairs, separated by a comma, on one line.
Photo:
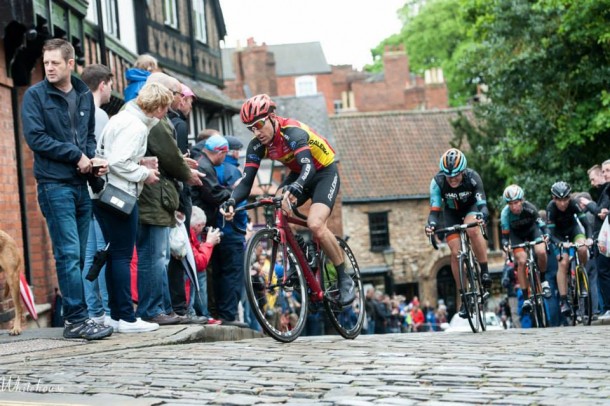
{"points": [[347, 29]]}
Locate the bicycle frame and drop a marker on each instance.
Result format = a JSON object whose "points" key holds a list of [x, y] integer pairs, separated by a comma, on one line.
{"points": [[281, 223], [532, 275]]}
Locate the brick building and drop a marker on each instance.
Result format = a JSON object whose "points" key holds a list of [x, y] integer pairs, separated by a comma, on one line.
{"points": [[301, 70]]}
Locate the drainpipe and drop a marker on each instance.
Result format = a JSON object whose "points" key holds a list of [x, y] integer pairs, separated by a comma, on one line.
{"points": [[21, 186]]}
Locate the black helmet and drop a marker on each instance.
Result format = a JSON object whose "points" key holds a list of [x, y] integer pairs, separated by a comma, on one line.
{"points": [[561, 189]]}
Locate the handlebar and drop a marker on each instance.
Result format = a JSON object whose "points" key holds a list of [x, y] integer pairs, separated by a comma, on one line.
{"points": [[457, 227], [525, 244]]}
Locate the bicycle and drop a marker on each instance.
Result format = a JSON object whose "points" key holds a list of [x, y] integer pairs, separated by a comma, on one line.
{"points": [[532, 273], [578, 285], [282, 296], [472, 292]]}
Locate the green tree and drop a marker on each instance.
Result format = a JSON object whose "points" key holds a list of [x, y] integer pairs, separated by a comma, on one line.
{"points": [[547, 69]]}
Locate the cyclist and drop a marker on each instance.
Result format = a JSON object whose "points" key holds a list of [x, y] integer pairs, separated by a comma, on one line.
{"points": [[461, 191], [313, 174], [566, 222], [520, 222]]}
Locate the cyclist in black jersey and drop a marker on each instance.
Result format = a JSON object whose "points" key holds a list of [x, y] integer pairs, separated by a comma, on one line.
{"points": [[566, 222], [313, 175], [520, 222], [458, 193]]}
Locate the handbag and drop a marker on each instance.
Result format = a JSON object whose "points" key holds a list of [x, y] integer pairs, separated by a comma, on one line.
{"points": [[116, 199]]}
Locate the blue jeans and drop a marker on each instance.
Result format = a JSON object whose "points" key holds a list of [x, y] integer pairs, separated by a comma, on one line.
{"points": [[96, 293], [199, 303], [67, 209], [153, 255], [228, 279], [120, 231]]}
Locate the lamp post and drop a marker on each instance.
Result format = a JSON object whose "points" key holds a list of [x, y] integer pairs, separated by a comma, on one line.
{"points": [[388, 258]]}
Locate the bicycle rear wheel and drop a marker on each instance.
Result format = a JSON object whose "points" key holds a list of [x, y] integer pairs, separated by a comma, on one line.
{"points": [[276, 286], [585, 309], [469, 293], [347, 320]]}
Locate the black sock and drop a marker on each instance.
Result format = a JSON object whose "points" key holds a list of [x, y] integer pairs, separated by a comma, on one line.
{"points": [[563, 299], [484, 269], [340, 270]]}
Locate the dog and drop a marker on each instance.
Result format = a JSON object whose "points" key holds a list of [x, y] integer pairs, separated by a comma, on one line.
{"points": [[11, 264]]}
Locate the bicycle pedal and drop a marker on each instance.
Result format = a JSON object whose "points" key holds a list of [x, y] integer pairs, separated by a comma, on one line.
{"points": [[485, 296]]}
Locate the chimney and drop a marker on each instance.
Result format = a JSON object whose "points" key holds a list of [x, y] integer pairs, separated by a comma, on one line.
{"points": [[396, 66]]}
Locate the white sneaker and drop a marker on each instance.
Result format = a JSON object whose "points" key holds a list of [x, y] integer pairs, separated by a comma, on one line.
{"points": [[605, 315], [111, 323], [100, 319], [138, 326], [546, 290]]}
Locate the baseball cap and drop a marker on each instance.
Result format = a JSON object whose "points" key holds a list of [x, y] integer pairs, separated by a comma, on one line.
{"points": [[217, 143], [187, 92], [234, 143]]}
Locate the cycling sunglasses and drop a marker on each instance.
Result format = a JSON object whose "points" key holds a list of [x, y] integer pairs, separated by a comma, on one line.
{"points": [[258, 124]]}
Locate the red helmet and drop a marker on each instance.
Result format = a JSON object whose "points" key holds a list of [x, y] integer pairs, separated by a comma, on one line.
{"points": [[256, 107]]}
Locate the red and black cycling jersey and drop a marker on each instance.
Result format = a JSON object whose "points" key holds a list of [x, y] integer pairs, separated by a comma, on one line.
{"points": [[295, 145]]}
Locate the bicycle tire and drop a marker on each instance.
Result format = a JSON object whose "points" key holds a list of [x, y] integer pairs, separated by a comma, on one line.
{"points": [[481, 290], [271, 297], [469, 293], [538, 310], [585, 304], [342, 318]]}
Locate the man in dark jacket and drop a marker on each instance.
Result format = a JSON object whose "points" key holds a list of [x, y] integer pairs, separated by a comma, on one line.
{"points": [[157, 205], [58, 116]]}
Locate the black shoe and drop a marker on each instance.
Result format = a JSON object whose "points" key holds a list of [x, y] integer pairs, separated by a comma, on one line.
{"points": [[192, 319], [88, 329], [566, 310], [235, 323], [347, 292], [486, 280], [463, 313]]}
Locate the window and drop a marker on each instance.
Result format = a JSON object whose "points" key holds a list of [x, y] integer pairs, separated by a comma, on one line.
{"points": [[305, 86], [170, 14], [200, 26], [109, 14], [111, 18], [379, 231]]}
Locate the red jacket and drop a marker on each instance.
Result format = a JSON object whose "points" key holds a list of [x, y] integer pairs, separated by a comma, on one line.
{"points": [[201, 250]]}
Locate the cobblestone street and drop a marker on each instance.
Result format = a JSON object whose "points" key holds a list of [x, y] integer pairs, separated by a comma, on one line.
{"points": [[544, 367]]}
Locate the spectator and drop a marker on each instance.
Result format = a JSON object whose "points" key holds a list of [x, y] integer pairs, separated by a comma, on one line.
{"points": [[59, 126], [202, 252], [591, 265], [98, 79], [509, 282], [202, 137], [371, 309], [417, 316], [227, 260], [156, 206], [599, 177], [175, 268], [137, 76], [123, 144]]}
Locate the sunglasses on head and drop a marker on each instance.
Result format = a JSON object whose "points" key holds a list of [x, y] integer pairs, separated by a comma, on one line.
{"points": [[258, 124]]}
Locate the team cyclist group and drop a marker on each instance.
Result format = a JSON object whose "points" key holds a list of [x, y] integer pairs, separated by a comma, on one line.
{"points": [[457, 193]]}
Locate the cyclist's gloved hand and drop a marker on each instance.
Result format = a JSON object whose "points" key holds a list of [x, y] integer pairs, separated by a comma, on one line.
{"points": [[505, 245], [227, 208], [295, 189], [429, 229]]}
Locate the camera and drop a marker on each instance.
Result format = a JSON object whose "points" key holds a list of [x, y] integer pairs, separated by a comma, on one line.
{"points": [[208, 229]]}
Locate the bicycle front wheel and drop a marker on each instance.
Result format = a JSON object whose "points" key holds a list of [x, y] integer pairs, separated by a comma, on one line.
{"points": [[584, 313], [347, 320], [539, 309], [275, 285], [470, 293]]}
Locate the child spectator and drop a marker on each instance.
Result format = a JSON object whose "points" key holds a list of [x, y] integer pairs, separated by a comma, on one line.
{"points": [[136, 76]]}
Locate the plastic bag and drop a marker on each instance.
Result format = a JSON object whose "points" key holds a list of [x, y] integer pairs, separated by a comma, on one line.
{"points": [[179, 238], [603, 239]]}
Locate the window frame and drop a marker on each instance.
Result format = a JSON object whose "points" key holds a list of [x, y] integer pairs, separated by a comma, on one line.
{"points": [[379, 230], [170, 13], [200, 22], [307, 81]]}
